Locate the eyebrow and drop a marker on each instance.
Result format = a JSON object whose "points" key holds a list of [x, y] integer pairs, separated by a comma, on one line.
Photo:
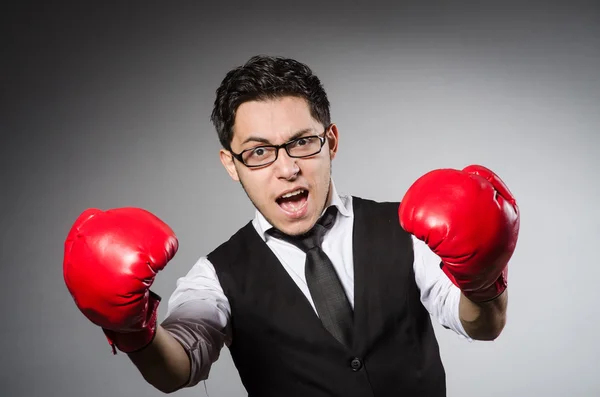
{"points": [[295, 135]]}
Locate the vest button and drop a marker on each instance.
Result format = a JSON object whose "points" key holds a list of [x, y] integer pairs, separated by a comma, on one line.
{"points": [[355, 364]]}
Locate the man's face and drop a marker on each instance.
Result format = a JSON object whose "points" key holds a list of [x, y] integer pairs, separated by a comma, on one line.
{"points": [[275, 122]]}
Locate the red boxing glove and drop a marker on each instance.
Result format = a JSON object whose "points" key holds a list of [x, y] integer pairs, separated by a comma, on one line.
{"points": [[470, 219], [110, 261]]}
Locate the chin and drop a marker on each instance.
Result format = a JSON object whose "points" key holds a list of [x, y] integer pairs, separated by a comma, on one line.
{"points": [[294, 227], [300, 227]]}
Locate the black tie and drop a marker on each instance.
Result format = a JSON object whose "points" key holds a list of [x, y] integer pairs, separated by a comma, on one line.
{"points": [[324, 285]]}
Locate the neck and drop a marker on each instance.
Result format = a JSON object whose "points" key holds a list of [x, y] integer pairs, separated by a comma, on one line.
{"points": [[329, 197]]}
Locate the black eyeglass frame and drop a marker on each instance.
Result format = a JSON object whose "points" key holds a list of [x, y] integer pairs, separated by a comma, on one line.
{"points": [[322, 138]]}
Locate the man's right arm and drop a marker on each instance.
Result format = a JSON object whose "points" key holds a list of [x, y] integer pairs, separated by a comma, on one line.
{"points": [[190, 338], [111, 259], [164, 363]]}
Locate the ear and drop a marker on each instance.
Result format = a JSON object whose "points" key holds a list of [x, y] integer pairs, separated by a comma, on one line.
{"points": [[229, 163], [332, 140]]}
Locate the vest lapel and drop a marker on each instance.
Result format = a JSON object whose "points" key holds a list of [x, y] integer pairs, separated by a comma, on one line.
{"points": [[361, 255], [376, 281]]}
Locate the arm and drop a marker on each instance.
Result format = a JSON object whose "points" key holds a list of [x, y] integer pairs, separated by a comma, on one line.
{"points": [[164, 363], [484, 320], [449, 306], [190, 338], [439, 296], [470, 220], [111, 259]]}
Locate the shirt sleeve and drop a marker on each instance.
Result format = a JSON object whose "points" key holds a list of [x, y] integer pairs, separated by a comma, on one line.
{"points": [[438, 294], [198, 318]]}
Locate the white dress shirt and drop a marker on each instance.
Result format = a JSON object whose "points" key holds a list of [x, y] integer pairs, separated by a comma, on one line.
{"points": [[198, 311]]}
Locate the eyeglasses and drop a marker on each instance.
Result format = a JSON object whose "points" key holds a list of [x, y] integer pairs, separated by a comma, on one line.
{"points": [[264, 155]]}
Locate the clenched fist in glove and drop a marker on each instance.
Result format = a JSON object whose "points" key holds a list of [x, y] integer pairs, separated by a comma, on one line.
{"points": [[110, 261], [470, 219]]}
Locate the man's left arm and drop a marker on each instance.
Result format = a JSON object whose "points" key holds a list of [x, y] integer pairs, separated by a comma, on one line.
{"points": [[449, 305], [470, 219]]}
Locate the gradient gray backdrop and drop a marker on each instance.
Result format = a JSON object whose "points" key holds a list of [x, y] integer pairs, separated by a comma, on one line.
{"points": [[109, 106]]}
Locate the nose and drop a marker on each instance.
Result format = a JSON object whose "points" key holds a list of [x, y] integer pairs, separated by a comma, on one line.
{"points": [[286, 166]]}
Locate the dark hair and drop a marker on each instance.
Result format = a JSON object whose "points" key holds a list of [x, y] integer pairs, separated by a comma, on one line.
{"points": [[266, 77]]}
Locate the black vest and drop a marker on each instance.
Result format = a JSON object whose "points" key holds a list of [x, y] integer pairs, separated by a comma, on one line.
{"points": [[280, 347]]}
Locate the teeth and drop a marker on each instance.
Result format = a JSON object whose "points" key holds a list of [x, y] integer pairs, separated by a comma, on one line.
{"points": [[294, 193]]}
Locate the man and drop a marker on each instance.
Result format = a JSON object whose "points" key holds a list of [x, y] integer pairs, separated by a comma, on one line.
{"points": [[321, 294]]}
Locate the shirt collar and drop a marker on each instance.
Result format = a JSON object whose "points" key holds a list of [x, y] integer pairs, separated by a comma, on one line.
{"points": [[261, 224]]}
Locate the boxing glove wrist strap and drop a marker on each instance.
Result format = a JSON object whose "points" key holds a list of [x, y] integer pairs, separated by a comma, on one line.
{"points": [[130, 342], [490, 293]]}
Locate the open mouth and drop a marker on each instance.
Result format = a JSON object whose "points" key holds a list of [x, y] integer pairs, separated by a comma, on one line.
{"points": [[293, 202]]}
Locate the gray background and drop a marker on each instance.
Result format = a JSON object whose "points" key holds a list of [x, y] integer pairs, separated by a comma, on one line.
{"points": [[109, 106]]}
